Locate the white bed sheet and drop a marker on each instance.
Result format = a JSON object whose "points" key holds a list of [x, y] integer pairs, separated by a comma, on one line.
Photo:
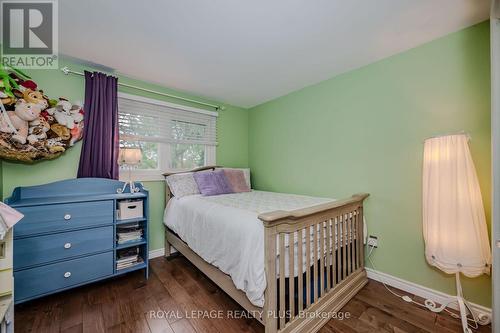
{"points": [[225, 231]]}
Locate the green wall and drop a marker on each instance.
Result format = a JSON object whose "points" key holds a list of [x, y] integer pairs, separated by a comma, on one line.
{"points": [[363, 131], [232, 130]]}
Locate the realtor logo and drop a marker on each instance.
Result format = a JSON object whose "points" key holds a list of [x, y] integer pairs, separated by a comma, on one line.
{"points": [[29, 34]]}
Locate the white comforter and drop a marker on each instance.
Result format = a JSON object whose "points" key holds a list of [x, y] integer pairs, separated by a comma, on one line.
{"points": [[225, 231]]}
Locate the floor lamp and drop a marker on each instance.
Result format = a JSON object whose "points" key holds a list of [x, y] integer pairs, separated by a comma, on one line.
{"points": [[454, 223]]}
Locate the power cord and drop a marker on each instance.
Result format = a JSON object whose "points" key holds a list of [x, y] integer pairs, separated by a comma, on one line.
{"points": [[408, 299]]}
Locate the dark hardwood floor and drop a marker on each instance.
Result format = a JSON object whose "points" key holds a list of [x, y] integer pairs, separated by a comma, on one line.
{"points": [[176, 290]]}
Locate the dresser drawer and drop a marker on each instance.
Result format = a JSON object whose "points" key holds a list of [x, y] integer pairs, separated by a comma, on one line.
{"points": [[42, 249], [32, 282], [54, 218]]}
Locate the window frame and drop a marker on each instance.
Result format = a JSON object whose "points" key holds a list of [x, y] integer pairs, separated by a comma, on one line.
{"points": [[163, 147]]}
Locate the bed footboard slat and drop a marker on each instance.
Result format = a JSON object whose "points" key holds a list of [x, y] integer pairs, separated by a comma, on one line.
{"points": [[282, 255], [322, 227], [361, 238], [355, 245], [350, 241], [335, 250], [328, 254], [315, 263], [344, 245], [300, 266], [308, 266], [291, 274]]}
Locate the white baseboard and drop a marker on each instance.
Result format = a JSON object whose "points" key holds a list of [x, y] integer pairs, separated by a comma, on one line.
{"points": [[156, 253], [418, 290], [160, 252]]}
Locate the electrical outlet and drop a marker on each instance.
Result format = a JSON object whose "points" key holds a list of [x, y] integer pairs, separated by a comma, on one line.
{"points": [[372, 241]]}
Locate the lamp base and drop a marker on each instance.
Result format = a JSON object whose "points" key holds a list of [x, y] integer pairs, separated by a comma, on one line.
{"points": [[464, 307], [132, 187]]}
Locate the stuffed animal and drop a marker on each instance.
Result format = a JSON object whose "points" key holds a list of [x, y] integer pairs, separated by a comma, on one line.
{"points": [[77, 113], [66, 114], [55, 146], [24, 113], [35, 97], [6, 99], [62, 117], [61, 131], [38, 129], [76, 133], [28, 84]]}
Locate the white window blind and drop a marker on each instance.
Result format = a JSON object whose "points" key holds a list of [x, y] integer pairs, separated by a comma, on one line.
{"points": [[171, 137], [160, 122]]}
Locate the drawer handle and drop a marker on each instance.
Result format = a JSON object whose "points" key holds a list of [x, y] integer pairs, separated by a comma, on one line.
{"points": [[67, 245], [67, 217], [67, 274]]}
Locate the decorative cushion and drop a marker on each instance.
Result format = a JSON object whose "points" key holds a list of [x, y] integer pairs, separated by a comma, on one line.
{"points": [[246, 172], [212, 182], [237, 181], [182, 184]]}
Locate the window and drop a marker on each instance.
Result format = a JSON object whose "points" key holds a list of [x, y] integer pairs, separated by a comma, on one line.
{"points": [[171, 137]]}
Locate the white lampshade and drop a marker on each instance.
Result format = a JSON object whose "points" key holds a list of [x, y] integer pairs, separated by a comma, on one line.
{"points": [[454, 224], [130, 156]]}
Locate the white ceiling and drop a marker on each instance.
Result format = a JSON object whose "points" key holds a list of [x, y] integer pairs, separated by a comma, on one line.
{"points": [[248, 52]]}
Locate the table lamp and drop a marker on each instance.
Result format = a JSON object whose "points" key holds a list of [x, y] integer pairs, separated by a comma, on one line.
{"points": [[130, 158], [454, 223]]}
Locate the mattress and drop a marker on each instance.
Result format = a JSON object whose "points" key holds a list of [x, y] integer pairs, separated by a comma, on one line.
{"points": [[225, 231]]}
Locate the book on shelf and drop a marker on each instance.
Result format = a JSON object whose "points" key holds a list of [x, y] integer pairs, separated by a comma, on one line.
{"points": [[128, 258], [128, 233]]}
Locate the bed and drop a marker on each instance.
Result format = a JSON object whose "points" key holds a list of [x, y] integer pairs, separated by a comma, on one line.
{"points": [[290, 260]]}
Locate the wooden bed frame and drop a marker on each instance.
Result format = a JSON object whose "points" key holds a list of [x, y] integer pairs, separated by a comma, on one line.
{"points": [[299, 311]]}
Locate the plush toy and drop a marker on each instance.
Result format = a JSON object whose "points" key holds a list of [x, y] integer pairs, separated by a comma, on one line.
{"points": [[66, 114], [17, 121], [77, 113], [76, 133], [35, 97], [38, 129], [28, 84], [6, 99], [62, 117], [9, 79], [55, 146], [61, 131]]}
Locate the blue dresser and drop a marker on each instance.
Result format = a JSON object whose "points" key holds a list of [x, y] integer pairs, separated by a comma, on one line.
{"points": [[69, 235]]}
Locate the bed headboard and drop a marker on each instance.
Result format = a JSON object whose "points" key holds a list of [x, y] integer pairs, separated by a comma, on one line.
{"points": [[168, 193]]}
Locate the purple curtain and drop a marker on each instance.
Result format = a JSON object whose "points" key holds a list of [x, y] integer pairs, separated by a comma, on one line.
{"points": [[99, 156]]}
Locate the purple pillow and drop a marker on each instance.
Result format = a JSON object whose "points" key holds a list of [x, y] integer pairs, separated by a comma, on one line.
{"points": [[212, 182]]}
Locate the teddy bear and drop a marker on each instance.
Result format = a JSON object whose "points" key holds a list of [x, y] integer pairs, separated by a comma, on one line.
{"points": [[17, 121], [38, 129]]}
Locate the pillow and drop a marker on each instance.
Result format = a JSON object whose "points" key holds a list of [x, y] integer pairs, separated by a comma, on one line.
{"points": [[182, 184], [237, 181], [246, 172], [212, 182]]}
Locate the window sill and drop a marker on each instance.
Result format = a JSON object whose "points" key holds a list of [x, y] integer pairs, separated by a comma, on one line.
{"points": [[141, 176]]}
